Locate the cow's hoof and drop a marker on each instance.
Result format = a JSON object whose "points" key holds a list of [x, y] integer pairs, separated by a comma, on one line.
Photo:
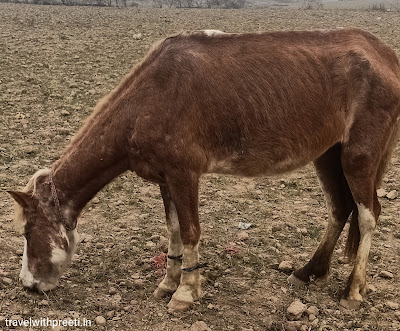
{"points": [[176, 306], [160, 293], [322, 281], [350, 304], [292, 279]]}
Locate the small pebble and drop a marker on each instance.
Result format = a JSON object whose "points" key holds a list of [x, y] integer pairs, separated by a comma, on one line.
{"points": [[392, 305], [296, 308], [286, 266], [312, 310], [386, 274], [292, 325], [112, 291], [137, 36], [392, 195], [6, 281], [301, 230], [244, 225], [155, 237], [199, 326], [138, 283], [381, 192], [242, 235], [150, 244], [19, 252], [43, 303], [110, 314], [100, 320], [343, 260]]}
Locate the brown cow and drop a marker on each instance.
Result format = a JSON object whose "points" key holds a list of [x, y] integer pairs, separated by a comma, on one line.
{"points": [[245, 104]]}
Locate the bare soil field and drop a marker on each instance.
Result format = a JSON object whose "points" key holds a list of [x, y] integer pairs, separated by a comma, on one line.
{"points": [[55, 63]]}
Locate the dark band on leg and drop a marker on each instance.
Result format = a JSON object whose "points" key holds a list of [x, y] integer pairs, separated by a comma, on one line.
{"points": [[176, 258], [200, 265]]}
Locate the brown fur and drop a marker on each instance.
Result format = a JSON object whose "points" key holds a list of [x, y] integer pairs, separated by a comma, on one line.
{"points": [[249, 105]]}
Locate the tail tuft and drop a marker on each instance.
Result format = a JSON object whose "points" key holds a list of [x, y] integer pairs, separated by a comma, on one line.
{"points": [[353, 239]]}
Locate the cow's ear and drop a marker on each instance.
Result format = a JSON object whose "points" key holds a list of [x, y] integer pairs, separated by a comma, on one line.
{"points": [[23, 199]]}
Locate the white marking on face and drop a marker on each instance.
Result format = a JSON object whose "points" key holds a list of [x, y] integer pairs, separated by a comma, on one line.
{"points": [[25, 275], [73, 239], [58, 256], [211, 33]]}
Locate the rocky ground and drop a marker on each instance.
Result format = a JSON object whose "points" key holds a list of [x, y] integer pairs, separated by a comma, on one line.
{"points": [[55, 63]]}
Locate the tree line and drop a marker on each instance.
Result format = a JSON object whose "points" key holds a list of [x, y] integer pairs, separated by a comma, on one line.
{"points": [[136, 3]]}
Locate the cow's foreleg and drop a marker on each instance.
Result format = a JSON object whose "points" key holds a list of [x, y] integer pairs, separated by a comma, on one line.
{"points": [[175, 248], [184, 193]]}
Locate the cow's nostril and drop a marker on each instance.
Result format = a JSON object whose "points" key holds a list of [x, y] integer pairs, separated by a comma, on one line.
{"points": [[33, 288]]}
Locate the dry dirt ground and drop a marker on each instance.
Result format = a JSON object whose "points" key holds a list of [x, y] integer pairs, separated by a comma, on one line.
{"points": [[55, 63]]}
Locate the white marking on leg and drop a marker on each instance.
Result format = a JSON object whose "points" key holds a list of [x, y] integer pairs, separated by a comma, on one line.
{"points": [[174, 233], [190, 256], [171, 280], [367, 224], [189, 288]]}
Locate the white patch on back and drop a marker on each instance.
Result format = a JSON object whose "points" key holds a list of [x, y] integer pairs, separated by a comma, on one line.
{"points": [[211, 33]]}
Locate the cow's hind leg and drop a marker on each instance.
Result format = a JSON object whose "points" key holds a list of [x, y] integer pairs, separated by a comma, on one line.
{"points": [[340, 204], [360, 168], [175, 248]]}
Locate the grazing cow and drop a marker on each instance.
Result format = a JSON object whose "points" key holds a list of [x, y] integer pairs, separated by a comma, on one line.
{"points": [[249, 104]]}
